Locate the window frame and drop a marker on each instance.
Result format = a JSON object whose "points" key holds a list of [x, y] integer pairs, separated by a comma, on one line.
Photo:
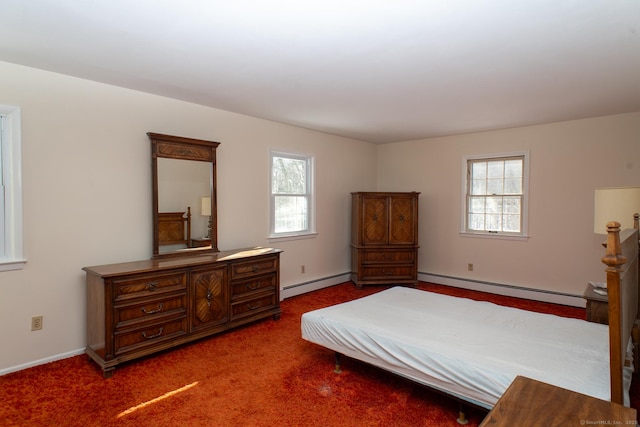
{"points": [[524, 231], [310, 195], [12, 258]]}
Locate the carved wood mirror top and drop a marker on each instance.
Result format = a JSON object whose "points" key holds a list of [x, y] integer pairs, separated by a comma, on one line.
{"points": [[184, 195]]}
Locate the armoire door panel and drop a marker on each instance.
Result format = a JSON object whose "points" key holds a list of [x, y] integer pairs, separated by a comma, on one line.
{"points": [[402, 224], [375, 222]]}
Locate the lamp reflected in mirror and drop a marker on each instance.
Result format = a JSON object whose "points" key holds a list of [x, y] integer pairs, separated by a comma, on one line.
{"points": [[206, 211]]}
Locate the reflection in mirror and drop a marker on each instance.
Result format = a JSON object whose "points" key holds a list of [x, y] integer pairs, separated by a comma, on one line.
{"points": [[184, 195], [182, 184]]}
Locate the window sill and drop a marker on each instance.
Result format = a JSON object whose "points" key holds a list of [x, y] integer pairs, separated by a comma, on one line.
{"points": [[287, 237], [12, 265], [521, 238]]}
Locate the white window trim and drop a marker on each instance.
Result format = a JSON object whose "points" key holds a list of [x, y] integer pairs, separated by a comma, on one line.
{"points": [[524, 234], [12, 170], [312, 202]]}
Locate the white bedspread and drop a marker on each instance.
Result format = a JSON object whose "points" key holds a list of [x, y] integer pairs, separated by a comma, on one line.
{"points": [[469, 349]]}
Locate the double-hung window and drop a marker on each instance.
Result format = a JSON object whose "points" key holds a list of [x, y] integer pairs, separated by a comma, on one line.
{"points": [[496, 194], [292, 201], [11, 252]]}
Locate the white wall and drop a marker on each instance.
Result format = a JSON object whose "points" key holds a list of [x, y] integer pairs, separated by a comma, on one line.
{"points": [[87, 195], [568, 161]]}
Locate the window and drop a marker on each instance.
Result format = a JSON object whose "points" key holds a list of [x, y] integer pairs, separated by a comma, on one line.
{"points": [[496, 194], [291, 195], [11, 257]]}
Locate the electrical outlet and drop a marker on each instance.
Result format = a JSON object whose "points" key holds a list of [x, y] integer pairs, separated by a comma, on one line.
{"points": [[302, 269], [36, 323], [470, 267]]}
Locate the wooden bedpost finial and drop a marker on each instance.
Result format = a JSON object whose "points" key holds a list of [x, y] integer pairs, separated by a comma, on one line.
{"points": [[636, 216], [613, 258]]}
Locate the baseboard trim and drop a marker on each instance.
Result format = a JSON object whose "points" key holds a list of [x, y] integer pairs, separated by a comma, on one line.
{"points": [[313, 285], [506, 290], [41, 361], [458, 282]]}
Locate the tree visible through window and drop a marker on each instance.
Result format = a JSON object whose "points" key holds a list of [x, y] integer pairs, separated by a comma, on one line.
{"points": [[496, 195], [291, 194]]}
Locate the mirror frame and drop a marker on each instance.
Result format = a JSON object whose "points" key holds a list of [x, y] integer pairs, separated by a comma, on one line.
{"points": [[177, 147]]}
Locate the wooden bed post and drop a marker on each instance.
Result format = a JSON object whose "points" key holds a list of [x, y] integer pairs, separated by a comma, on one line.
{"points": [[614, 259]]}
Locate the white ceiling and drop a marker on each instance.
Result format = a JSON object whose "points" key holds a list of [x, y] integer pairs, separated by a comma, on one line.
{"points": [[380, 71]]}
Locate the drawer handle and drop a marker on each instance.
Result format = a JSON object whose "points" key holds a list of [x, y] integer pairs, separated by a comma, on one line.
{"points": [[252, 286], [254, 268], [151, 286], [388, 273], [157, 310], [209, 296], [148, 337], [253, 307]]}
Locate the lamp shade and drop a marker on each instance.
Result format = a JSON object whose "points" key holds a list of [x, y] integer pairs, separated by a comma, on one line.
{"points": [[615, 204], [206, 206]]}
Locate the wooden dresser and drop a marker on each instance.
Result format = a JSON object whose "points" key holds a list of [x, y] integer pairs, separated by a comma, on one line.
{"points": [[384, 238], [138, 308]]}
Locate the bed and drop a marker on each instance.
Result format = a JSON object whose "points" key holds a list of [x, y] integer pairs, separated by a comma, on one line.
{"points": [[174, 228], [472, 350]]}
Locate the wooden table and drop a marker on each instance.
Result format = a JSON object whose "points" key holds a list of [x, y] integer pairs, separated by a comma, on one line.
{"points": [[529, 402]]}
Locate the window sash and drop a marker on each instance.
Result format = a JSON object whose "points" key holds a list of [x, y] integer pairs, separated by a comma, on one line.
{"points": [[495, 213], [291, 213]]}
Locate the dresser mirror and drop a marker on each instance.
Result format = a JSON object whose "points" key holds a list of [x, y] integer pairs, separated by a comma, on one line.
{"points": [[184, 195]]}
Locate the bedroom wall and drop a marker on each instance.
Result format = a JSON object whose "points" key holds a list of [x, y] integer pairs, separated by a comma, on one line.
{"points": [[568, 161], [87, 196]]}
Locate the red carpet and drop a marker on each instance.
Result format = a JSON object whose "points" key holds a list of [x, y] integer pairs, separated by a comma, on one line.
{"points": [[261, 375]]}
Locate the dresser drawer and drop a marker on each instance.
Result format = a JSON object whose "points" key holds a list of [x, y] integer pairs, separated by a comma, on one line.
{"points": [[388, 272], [151, 309], [257, 266], [390, 256], [243, 288], [249, 307], [150, 284], [134, 339]]}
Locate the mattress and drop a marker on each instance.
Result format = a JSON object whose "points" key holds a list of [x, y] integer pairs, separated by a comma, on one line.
{"points": [[469, 349]]}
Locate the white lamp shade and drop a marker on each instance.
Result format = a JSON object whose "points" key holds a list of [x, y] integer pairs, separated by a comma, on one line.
{"points": [[206, 206], [615, 204]]}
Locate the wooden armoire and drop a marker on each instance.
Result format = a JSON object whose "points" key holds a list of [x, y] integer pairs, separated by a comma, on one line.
{"points": [[384, 238]]}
